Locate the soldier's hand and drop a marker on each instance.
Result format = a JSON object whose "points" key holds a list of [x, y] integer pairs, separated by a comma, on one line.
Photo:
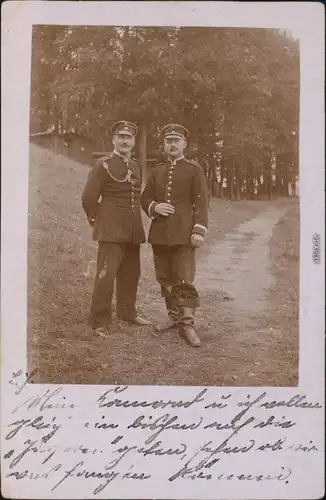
{"points": [[165, 209], [197, 240]]}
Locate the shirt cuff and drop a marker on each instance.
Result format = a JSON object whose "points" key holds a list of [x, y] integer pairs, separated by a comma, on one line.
{"points": [[199, 229], [150, 210]]}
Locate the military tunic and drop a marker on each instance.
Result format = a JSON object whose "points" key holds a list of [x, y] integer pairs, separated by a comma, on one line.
{"points": [[183, 184], [111, 201], [117, 216]]}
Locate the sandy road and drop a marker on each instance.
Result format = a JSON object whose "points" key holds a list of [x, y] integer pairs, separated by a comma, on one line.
{"points": [[239, 266]]}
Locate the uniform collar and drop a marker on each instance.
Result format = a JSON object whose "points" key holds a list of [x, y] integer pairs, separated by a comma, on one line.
{"points": [[173, 161], [124, 157]]}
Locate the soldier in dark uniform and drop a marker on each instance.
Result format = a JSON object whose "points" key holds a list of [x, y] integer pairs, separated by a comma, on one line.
{"points": [[176, 198], [111, 201]]}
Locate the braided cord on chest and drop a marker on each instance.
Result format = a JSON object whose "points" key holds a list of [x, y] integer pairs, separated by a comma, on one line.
{"points": [[127, 178]]}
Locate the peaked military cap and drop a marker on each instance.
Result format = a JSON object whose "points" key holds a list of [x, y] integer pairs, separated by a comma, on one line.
{"points": [[124, 127], [174, 130]]}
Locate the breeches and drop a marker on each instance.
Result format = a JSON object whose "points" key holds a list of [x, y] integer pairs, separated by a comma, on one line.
{"points": [[175, 268], [120, 263]]}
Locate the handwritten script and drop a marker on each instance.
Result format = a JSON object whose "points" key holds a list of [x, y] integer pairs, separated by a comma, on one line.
{"points": [[54, 438]]}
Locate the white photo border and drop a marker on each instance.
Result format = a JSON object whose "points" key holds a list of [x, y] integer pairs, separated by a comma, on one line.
{"points": [[307, 23]]}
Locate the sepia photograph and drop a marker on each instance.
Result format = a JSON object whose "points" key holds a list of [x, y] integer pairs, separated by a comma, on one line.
{"points": [[162, 285], [164, 206]]}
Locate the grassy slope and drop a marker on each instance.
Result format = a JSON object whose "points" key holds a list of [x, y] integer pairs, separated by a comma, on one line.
{"points": [[285, 266], [60, 343]]}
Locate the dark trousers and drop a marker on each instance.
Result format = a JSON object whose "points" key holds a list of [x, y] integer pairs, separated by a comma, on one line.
{"points": [[118, 262], [175, 268]]}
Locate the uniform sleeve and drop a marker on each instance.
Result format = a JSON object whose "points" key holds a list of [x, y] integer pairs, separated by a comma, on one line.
{"points": [[91, 193], [147, 199], [200, 201]]}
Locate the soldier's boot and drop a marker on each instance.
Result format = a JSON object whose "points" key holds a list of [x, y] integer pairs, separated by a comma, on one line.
{"points": [[186, 330], [173, 316]]}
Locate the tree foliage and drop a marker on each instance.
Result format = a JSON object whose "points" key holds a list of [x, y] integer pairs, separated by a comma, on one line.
{"points": [[236, 90]]}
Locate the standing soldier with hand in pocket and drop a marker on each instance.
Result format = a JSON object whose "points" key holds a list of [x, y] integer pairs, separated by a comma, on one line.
{"points": [[176, 199], [111, 201]]}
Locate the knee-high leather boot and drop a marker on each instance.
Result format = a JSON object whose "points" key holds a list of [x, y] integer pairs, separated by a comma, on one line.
{"points": [[186, 324], [173, 316]]}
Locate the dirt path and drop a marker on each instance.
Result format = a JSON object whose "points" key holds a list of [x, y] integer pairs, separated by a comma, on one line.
{"points": [[238, 272], [239, 266]]}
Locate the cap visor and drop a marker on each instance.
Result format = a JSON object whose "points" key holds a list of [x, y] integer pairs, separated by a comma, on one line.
{"points": [[124, 133], [172, 136]]}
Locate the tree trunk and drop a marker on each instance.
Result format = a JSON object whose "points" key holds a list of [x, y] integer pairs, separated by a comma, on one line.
{"points": [[142, 150], [231, 186], [221, 190], [242, 187], [285, 185], [278, 183], [221, 193], [215, 189], [253, 180], [269, 186], [237, 181], [294, 186], [207, 171]]}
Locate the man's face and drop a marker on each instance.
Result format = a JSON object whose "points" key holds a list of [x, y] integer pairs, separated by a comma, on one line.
{"points": [[174, 146], [123, 143]]}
